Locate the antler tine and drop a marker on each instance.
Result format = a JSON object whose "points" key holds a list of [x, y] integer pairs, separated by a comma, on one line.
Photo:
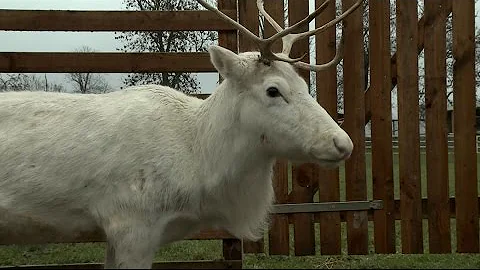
{"points": [[338, 57], [292, 38], [330, 23], [298, 25], [227, 19], [267, 16]]}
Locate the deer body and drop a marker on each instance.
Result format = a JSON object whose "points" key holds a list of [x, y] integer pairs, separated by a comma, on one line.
{"points": [[150, 165]]}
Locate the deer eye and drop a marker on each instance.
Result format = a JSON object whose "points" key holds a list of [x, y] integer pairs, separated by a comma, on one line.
{"points": [[273, 92]]}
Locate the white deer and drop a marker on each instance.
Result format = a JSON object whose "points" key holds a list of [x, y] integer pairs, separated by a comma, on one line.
{"points": [[150, 165]]}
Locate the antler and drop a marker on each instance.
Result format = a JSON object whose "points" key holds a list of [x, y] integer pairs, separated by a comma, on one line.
{"points": [[287, 35]]}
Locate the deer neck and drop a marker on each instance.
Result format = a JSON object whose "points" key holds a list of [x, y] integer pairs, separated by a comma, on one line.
{"points": [[227, 153]]}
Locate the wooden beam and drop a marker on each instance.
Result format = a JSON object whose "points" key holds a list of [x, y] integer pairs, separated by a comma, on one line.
{"points": [[68, 20], [466, 184], [65, 62]]}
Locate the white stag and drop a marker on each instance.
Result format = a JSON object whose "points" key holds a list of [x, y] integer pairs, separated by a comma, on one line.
{"points": [[150, 165]]}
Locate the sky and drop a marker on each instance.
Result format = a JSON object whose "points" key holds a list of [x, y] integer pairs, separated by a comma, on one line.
{"points": [[17, 41]]}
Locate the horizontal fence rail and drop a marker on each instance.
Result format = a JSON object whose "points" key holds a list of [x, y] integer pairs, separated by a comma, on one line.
{"points": [[68, 20], [32, 62]]}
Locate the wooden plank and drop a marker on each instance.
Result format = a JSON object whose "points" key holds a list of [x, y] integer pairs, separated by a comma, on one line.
{"points": [[73, 20], [408, 113], [466, 185], [248, 17], [230, 264], [397, 215], [228, 39], [382, 153], [22, 230], [354, 104], [436, 126], [290, 208], [233, 250], [329, 183], [304, 231], [302, 174], [279, 234], [63, 62], [393, 62]]}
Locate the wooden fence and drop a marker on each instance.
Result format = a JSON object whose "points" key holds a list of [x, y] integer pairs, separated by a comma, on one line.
{"points": [[306, 194]]}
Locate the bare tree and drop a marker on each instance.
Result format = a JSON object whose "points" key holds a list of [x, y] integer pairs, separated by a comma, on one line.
{"points": [[165, 41], [88, 83], [30, 82]]}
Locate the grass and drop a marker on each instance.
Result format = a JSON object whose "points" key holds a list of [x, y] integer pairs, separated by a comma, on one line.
{"points": [[212, 249]]}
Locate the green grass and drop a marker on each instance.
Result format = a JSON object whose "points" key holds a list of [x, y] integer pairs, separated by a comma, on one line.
{"points": [[212, 249]]}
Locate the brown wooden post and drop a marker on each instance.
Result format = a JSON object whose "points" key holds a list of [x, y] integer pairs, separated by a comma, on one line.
{"points": [[466, 185], [354, 98], [382, 153], [248, 17], [302, 174], [279, 234], [408, 138], [436, 127], [328, 181]]}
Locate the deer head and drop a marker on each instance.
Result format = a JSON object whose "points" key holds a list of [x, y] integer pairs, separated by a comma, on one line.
{"points": [[271, 100]]}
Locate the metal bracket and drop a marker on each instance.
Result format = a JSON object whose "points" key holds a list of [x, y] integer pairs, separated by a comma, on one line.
{"points": [[327, 207]]}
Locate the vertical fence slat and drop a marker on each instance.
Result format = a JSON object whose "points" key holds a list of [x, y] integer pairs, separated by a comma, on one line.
{"points": [[436, 127], [408, 136], [382, 156], [354, 99], [326, 82], [228, 39], [279, 234], [466, 185], [304, 232], [248, 17]]}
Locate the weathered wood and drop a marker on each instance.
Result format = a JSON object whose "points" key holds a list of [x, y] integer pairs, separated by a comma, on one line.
{"points": [[227, 264], [290, 208], [382, 153], [233, 250], [63, 62], [393, 62], [67, 20], [436, 126], [397, 215], [408, 115], [326, 87], [354, 104], [302, 174], [279, 234], [466, 185], [16, 229], [248, 17]]}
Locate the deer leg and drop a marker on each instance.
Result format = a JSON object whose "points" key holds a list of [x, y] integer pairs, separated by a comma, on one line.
{"points": [[109, 256], [130, 245]]}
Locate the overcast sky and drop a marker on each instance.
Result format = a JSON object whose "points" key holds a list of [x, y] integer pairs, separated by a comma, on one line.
{"points": [[15, 41]]}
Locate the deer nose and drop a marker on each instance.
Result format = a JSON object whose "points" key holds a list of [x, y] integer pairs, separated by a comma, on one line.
{"points": [[343, 144]]}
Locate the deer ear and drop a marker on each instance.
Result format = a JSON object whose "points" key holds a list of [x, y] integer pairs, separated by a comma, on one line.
{"points": [[225, 61]]}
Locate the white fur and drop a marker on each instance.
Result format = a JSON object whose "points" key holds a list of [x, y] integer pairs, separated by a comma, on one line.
{"points": [[150, 165]]}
